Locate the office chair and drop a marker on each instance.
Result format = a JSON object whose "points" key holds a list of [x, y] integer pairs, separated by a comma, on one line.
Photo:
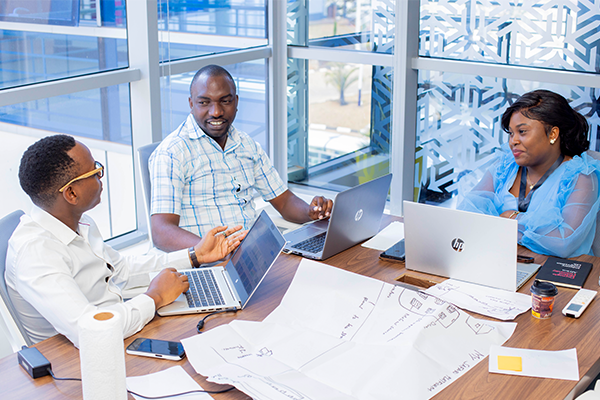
{"points": [[596, 242], [19, 336], [144, 153]]}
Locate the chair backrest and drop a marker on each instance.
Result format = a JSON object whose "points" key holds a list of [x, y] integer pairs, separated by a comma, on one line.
{"points": [[8, 224], [596, 242], [144, 153]]}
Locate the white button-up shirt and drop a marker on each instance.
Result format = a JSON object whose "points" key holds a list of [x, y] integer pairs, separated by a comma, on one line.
{"points": [[55, 275]]}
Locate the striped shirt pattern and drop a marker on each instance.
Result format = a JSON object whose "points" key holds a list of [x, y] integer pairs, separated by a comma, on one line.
{"points": [[207, 186]]}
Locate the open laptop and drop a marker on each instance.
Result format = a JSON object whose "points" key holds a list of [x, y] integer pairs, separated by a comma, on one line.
{"points": [[467, 246], [355, 217], [231, 286]]}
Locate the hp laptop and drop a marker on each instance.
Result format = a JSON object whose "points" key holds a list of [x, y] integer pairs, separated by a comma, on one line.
{"points": [[355, 217], [472, 247], [231, 286]]}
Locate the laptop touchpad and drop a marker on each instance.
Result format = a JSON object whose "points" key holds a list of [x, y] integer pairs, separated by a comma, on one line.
{"points": [[307, 231]]}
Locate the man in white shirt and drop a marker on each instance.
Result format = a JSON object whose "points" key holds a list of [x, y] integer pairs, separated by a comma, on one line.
{"points": [[58, 267]]}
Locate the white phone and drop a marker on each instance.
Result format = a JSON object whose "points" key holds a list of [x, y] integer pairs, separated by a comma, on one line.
{"points": [[156, 348], [579, 303]]}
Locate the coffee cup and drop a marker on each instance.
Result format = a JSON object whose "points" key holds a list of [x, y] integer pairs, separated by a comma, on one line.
{"points": [[542, 299]]}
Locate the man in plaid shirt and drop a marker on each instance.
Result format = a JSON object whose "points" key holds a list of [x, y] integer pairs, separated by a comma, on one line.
{"points": [[206, 172]]}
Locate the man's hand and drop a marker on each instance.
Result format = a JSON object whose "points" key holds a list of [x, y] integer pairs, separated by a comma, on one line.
{"points": [[292, 208], [218, 242], [320, 207], [167, 286]]}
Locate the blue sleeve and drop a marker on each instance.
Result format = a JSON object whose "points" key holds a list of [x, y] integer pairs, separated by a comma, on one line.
{"points": [[484, 197], [561, 218], [562, 223]]}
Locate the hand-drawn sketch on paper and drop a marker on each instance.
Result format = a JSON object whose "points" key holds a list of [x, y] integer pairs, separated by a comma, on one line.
{"points": [[339, 335]]}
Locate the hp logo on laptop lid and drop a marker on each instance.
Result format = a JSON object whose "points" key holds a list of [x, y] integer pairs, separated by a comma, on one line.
{"points": [[458, 244], [358, 215]]}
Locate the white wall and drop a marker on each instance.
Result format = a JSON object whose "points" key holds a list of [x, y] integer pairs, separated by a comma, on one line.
{"points": [[5, 348]]}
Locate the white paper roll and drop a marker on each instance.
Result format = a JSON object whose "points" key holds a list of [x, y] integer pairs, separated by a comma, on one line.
{"points": [[102, 357]]}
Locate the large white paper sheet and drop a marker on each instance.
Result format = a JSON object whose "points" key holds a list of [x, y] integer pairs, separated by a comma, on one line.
{"points": [[339, 335], [495, 303], [389, 236], [560, 364], [166, 384]]}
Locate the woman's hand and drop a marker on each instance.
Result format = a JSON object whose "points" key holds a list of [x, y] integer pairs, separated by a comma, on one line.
{"points": [[510, 214], [218, 242]]}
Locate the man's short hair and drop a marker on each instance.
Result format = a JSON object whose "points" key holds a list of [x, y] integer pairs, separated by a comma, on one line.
{"points": [[46, 167], [212, 70]]}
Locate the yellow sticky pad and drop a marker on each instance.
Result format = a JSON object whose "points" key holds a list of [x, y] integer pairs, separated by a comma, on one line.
{"points": [[510, 363]]}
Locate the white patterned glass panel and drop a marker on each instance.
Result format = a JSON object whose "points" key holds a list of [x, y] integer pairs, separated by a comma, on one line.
{"points": [[349, 24], [558, 34], [459, 126]]}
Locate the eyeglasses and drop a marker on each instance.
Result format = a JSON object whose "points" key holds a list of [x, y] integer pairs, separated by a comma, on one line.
{"points": [[98, 171]]}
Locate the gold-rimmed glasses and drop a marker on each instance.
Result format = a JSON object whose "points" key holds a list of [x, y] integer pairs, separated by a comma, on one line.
{"points": [[99, 171]]}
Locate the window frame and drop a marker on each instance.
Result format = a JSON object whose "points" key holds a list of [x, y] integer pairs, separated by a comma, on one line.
{"points": [[143, 76], [145, 70]]}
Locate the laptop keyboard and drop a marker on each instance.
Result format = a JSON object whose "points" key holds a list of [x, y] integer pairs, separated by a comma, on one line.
{"points": [[203, 289], [313, 244], [522, 277]]}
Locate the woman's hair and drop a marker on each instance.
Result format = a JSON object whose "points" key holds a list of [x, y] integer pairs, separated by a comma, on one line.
{"points": [[551, 109]]}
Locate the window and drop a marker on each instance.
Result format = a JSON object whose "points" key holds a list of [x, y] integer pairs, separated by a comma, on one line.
{"points": [[339, 125], [250, 80], [32, 52], [89, 71], [194, 28], [459, 113]]}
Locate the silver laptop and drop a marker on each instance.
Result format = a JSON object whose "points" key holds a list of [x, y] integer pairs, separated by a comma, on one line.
{"points": [[472, 247], [355, 217], [231, 286]]}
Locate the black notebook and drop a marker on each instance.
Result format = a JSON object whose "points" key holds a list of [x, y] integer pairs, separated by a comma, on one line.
{"points": [[563, 272]]}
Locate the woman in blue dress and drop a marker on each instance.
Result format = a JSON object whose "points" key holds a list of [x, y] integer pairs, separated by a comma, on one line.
{"points": [[547, 182]]}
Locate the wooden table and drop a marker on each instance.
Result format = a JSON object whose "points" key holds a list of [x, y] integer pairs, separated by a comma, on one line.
{"points": [[556, 333]]}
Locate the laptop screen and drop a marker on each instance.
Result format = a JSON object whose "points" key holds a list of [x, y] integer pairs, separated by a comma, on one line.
{"points": [[472, 247], [257, 252]]}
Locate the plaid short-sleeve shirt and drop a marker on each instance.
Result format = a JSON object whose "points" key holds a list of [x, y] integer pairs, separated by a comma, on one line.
{"points": [[207, 186]]}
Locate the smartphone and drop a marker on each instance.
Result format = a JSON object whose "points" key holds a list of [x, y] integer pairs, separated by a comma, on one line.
{"points": [[394, 253], [156, 348]]}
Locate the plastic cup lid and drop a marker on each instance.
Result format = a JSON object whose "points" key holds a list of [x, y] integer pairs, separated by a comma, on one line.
{"points": [[543, 288]]}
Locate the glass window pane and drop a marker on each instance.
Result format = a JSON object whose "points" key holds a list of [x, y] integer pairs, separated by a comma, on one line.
{"points": [[459, 127], [559, 34], [38, 54], [250, 79], [351, 25], [193, 28], [98, 118], [339, 115], [348, 124], [56, 12], [339, 112]]}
